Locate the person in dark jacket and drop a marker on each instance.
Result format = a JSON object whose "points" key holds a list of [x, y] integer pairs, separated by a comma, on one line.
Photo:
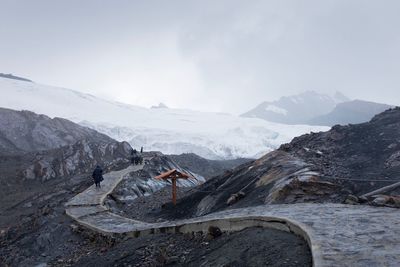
{"points": [[133, 156], [97, 176]]}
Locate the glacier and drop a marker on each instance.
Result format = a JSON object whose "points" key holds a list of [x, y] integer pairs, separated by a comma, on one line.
{"points": [[172, 131]]}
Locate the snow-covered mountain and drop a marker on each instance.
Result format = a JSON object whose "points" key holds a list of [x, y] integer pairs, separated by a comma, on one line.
{"points": [[356, 111], [296, 109], [171, 131]]}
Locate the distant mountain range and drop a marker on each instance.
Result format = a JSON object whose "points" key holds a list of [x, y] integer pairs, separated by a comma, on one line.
{"points": [[171, 131], [313, 108], [351, 112]]}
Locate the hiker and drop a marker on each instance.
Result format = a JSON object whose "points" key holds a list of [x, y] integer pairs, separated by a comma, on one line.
{"points": [[141, 150], [134, 156], [97, 176]]}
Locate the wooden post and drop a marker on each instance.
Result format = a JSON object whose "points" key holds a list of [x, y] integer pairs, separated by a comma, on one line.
{"points": [[174, 190]]}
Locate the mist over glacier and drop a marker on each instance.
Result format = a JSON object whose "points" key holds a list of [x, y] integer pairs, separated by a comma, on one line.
{"points": [[171, 131]]}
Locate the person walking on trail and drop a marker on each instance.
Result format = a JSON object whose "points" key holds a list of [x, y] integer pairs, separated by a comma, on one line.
{"points": [[97, 176], [133, 156]]}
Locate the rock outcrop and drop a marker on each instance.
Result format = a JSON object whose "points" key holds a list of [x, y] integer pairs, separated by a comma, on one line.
{"points": [[25, 131], [142, 183], [81, 157]]}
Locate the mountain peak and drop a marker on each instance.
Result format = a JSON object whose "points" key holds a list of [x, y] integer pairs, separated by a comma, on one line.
{"points": [[311, 107], [295, 109], [340, 97]]}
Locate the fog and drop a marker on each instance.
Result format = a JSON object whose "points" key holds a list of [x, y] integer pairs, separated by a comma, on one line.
{"points": [[206, 55]]}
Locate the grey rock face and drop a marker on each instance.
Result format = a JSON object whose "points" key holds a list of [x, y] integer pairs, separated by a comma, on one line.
{"points": [[142, 182], [25, 131], [81, 157], [51, 148], [393, 160]]}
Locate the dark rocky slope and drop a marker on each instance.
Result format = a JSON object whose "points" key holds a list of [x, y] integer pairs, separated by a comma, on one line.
{"points": [[317, 167], [367, 151], [249, 247], [25, 131], [36, 149]]}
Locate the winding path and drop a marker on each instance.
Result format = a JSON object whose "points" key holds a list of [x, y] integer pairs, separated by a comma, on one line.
{"points": [[338, 235]]}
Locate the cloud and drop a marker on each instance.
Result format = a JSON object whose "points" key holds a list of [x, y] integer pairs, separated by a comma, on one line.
{"points": [[209, 55]]}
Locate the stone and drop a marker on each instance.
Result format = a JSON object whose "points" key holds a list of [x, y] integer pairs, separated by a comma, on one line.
{"points": [[213, 232], [235, 197], [352, 200]]}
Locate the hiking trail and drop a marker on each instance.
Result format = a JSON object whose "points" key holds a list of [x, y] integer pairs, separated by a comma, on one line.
{"points": [[338, 234]]}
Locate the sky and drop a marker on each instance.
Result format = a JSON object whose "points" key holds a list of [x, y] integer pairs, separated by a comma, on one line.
{"points": [[210, 55]]}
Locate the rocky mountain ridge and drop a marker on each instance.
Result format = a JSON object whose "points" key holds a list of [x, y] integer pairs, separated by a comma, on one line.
{"points": [[26, 131]]}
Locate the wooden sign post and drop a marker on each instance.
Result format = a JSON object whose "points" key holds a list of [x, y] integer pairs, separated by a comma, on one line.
{"points": [[173, 175]]}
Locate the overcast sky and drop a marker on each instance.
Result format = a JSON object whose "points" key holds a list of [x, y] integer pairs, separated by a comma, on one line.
{"points": [[205, 55]]}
